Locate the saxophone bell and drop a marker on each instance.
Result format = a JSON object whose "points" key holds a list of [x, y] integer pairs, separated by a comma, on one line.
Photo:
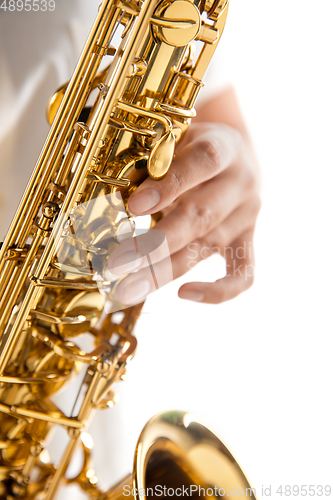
{"points": [[178, 455]]}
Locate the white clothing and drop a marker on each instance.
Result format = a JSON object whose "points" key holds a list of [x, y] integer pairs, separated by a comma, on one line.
{"points": [[38, 51]]}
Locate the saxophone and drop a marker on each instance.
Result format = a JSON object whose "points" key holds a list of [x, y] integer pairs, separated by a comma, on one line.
{"points": [[55, 285]]}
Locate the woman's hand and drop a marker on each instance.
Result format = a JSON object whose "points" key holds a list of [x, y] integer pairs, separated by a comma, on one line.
{"points": [[209, 200]]}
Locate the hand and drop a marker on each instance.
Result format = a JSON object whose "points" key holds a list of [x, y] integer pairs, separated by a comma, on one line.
{"points": [[210, 202]]}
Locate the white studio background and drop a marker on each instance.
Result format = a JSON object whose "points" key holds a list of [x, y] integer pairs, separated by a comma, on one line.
{"points": [[259, 368]]}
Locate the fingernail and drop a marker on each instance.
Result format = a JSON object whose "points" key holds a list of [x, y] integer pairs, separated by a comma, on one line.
{"points": [[125, 263], [133, 293], [191, 295], [144, 200]]}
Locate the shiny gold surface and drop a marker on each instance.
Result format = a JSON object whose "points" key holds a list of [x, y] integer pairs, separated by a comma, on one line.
{"points": [[178, 22], [55, 284], [176, 450]]}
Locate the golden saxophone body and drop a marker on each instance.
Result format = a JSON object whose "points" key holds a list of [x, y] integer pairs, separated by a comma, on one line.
{"points": [[53, 262]]}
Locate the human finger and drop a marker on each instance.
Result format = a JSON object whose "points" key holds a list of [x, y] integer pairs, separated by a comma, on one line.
{"points": [[189, 221], [199, 211], [239, 258], [213, 151], [239, 277]]}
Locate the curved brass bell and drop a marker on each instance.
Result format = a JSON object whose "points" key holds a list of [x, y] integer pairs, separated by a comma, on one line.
{"points": [[178, 456]]}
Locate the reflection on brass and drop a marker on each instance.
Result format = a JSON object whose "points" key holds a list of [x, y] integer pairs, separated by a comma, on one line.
{"points": [[161, 156], [208, 34], [97, 177], [173, 110], [178, 22], [55, 283], [129, 127], [69, 284], [58, 320]]}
